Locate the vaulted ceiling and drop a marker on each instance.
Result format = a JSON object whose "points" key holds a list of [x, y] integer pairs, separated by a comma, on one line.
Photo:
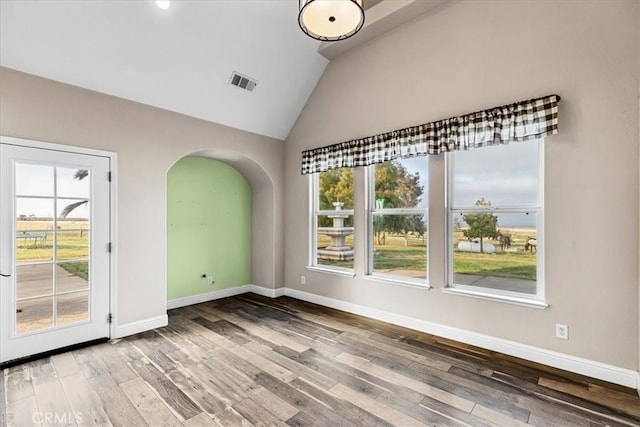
{"points": [[180, 59]]}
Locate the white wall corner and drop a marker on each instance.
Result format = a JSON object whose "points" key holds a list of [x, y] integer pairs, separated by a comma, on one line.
{"points": [[267, 292], [590, 368], [140, 326]]}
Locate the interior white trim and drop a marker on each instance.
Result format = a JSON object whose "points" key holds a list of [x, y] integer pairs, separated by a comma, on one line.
{"points": [[141, 326], [114, 246], [224, 293], [397, 280], [208, 296], [53, 146], [336, 271], [603, 371], [267, 292], [524, 302]]}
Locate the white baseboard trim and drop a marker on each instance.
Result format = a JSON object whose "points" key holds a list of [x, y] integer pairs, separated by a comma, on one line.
{"points": [[590, 368], [224, 293], [141, 326], [266, 292], [208, 296]]}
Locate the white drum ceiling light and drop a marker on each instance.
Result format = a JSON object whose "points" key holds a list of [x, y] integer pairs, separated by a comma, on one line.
{"points": [[331, 20]]}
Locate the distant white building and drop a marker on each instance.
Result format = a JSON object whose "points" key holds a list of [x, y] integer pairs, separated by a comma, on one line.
{"points": [[474, 246]]}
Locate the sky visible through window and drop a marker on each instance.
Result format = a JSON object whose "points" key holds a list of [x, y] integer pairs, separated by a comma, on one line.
{"points": [[505, 175], [37, 180]]}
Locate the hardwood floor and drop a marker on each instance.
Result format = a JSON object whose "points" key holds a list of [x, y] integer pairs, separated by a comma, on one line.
{"points": [[249, 360]]}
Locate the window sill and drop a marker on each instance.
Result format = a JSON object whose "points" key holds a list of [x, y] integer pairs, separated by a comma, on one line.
{"points": [[525, 302], [334, 271], [396, 281]]}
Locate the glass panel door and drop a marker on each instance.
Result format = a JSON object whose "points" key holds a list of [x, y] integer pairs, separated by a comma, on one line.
{"points": [[52, 250], [54, 225]]}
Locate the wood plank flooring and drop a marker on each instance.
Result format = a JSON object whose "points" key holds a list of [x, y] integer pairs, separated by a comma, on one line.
{"points": [[255, 361]]}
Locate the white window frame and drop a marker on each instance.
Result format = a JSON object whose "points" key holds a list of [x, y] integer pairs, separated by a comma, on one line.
{"points": [[315, 212], [372, 211], [534, 300]]}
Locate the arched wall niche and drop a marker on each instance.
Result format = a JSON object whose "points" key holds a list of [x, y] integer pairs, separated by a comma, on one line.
{"points": [[263, 221]]}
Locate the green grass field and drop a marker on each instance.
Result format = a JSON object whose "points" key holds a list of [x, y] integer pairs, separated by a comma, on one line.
{"points": [[397, 256], [389, 257], [80, 269], [72, 244], [409, 258]]}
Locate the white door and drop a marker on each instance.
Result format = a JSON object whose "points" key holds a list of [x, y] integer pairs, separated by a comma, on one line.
{"points": [[54, 253]]}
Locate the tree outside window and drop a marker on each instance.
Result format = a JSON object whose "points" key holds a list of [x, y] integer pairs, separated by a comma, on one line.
{"points": [[398, 220]]}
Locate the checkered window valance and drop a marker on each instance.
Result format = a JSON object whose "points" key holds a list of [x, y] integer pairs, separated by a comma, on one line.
{"points": [[520, 121]]}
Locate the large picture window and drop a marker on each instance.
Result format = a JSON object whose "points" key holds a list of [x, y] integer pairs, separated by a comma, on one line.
{"points": [[397, 238], [495, 220], [332, 220], [487, 203]]}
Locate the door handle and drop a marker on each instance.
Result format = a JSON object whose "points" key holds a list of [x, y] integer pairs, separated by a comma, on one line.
{"points": [[5, 275]]}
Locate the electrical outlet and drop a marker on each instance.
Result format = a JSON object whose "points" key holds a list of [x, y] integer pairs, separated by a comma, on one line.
{"points": [[562, 331], [303, 280]]}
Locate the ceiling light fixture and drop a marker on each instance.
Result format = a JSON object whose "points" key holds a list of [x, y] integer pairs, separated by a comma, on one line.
{"points": [[331, 20], [163, 4]]}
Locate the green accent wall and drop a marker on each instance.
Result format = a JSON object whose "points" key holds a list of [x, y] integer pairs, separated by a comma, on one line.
{"points": [[208, 227]]}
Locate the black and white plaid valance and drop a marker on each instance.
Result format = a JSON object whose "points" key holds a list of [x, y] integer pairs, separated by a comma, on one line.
{"points": [[520, 121]]}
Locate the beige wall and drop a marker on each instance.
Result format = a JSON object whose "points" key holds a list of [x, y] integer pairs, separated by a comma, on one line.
{"points": [[474, 55], [148, 141]]}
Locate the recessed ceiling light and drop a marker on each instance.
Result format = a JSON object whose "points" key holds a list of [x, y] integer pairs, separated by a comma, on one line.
{"points": [[163, 4]]}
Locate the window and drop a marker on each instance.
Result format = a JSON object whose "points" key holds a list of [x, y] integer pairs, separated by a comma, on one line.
{"points": [[495, 220], [332, 220], [397, 237]]}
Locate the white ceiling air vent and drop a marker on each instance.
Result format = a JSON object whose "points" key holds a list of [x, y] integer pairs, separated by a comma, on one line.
{"points": [[243, 82]]}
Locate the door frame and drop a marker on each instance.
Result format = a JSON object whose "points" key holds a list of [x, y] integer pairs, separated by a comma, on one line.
{"points": [[113, 201]]}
